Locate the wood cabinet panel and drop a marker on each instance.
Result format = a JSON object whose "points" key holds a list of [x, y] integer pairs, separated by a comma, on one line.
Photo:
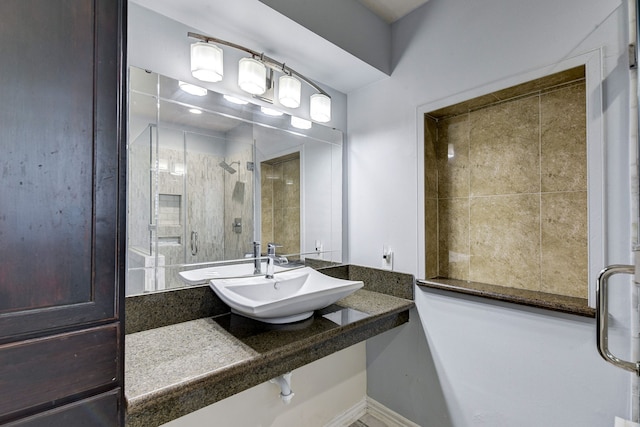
{"points": [[62, 212], [47, 120], [97, 411], [34, 373], [60, 146]]}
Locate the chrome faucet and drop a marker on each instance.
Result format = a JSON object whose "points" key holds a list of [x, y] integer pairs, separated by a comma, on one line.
{"points": [[272, 259], [257, 265]]}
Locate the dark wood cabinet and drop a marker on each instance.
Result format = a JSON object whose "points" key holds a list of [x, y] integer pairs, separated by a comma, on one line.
{"points": [[62, 209], [95, 411]]}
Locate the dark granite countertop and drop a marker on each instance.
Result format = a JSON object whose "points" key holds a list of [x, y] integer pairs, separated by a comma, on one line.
{"points": [[176, 369], [529, 298]]}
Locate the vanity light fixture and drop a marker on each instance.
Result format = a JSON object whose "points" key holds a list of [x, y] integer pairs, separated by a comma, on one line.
{"points": [[235, 100], [192, 89], [271, 111], [252, 76], [299, 123], [256, 76], [289, 91], [320, 108], [177, 169], [206, 62], [163, 165]]}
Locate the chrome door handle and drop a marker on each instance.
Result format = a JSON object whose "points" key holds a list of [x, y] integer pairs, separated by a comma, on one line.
{"points": [[194, 243], [602, 314]]}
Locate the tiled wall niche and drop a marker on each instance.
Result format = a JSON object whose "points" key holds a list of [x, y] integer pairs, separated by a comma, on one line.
{"points": [[506, 187], [280, 188]]}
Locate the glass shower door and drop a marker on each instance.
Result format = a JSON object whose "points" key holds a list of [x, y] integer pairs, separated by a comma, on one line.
{"points": [[204, 201], [140, 176]]}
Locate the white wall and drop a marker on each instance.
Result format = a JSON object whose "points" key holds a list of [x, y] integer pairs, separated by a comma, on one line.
{"points": [[323, 390], [493, 364]]}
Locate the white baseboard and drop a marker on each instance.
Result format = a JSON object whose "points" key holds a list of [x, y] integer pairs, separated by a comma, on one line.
{"points": [[350, 416], [372, 407], [386, 415]]}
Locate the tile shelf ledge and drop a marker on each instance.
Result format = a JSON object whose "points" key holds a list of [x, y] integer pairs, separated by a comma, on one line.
{"points": [[560, 303]]}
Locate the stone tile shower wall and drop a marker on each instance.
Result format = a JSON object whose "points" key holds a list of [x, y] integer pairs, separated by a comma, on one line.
{"points": [[238, 203], [200, 210], [191, 187], [510, 207]]}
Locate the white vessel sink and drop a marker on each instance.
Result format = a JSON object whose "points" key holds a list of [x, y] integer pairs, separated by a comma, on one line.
{"points": [[202, 276], [290, 296]]}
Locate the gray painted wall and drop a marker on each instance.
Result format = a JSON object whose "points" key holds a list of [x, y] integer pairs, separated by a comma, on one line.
{"points": [[463, 361], [335, 20]]}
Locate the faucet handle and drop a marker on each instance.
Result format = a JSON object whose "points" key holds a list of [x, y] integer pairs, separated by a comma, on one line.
{"points": [[271, 248]]}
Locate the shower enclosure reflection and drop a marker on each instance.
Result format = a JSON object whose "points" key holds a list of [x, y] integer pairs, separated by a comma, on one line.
{"points": [[197, 193], [182, 190]]}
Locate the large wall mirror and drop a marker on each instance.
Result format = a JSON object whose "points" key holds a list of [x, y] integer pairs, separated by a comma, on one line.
{"points": [[207, 177]]}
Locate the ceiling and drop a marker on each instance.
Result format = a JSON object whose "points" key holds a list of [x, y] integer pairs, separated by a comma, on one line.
{"points": [[392, 10]]}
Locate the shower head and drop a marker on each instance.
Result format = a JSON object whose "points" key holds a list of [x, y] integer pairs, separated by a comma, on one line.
{"points": [[224, 165]]}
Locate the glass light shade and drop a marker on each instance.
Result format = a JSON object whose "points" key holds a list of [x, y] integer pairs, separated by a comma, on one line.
{"points": [[252, 76], [206, 62], [271, 112], [192, 89], [289, 89], [163, 165], [235, 100], [320, 108], [177, 169], [299, 123]]}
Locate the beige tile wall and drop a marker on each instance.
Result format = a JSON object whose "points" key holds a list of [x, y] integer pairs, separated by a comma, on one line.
{"points": [[510, 207], [280, 188]]}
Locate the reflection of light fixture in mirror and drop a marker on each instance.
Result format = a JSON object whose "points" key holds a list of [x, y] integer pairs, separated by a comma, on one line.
{"points": [[206, 62], [235, 100], [254, 78], [320, 109], [195, 111], [450, 153], [192, 89], [289, 91], [299, 123], [177, 169], [271, 112], [163, 165]]}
